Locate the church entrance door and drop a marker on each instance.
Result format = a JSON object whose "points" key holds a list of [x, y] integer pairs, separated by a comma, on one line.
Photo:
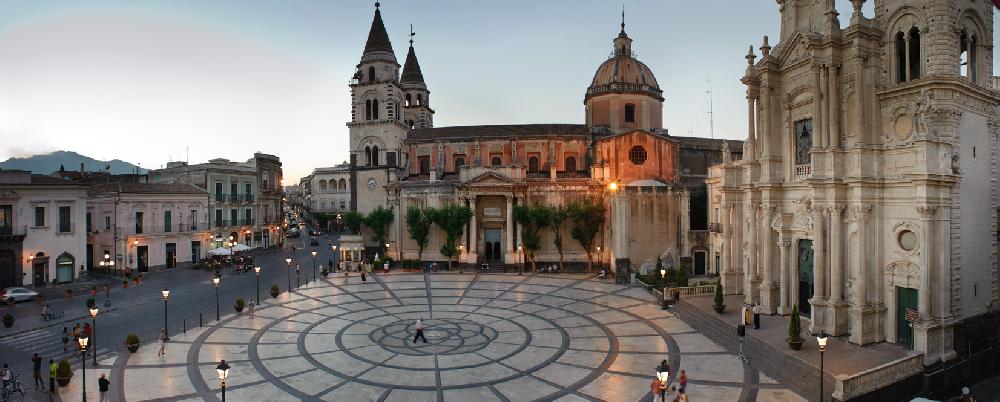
{"points": [[491, 241], [805, 276]]}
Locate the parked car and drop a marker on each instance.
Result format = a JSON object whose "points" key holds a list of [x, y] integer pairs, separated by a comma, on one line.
{"points": [[293, 235], [314, 232], [19, 294]]}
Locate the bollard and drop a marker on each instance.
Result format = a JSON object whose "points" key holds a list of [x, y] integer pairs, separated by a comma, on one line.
{"points": [[185, 321], [199, 321]]}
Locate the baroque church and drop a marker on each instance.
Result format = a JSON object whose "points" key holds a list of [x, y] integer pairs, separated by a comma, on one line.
{"points": [[866, 196], [621, 156]]}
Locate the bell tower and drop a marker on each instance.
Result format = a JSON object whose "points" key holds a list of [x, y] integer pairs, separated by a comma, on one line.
{"points": [[417, 112], [376, 128]]}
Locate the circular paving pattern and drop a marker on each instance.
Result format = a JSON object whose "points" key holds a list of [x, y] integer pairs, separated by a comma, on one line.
{"points": [[489, 337]]}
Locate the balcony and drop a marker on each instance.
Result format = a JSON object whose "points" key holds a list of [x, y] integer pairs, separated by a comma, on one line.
{"points": [[248, 198], [234, 198], [715, 227], [220, 198], [10, 230], [153, 230], [247, 222], [803, 172]]}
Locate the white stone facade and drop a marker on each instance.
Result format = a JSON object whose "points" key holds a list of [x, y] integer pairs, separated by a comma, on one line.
{"points": [[867, 194], [328, 190]]}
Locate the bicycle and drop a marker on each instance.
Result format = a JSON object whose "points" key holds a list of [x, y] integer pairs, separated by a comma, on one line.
{"points": [[12, 388]]}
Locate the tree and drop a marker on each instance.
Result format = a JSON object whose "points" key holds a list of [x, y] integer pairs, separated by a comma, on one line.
{"points": [[378, 221], [533, 218], [418, 223], [353, 221], [452, 220], [558, 215], [587, 217]]}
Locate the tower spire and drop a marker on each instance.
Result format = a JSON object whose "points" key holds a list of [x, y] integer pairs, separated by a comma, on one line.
{"points": [[623, 18], [378, 38], [411, 68], [411, 35]]}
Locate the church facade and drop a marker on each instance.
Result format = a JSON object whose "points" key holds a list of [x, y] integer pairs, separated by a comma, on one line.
{"points": [[621, 157], [866, 198]]}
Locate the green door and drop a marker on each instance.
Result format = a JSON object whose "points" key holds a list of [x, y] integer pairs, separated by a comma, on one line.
{"points": [[805, 276], [906, 299]]}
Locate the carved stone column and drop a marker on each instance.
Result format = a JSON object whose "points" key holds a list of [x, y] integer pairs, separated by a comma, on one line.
{"points": [[511, 255], [927, 213], [751, 126], [473, 231], [818, 322], [752, 288], [834, 115], [768, 289], [730, 277], [784, 307], [817, 107], [837, 320]]}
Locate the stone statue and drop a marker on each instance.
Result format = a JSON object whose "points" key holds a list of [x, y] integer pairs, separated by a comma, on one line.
{"points": [[727, 156], [921, 111]]}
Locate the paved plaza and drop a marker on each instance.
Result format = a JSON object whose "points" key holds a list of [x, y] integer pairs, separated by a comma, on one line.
{"points": [[489, 337]]}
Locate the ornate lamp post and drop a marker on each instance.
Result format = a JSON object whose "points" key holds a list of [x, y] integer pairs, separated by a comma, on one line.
{"points": [[461, 263], [93, 327], [298, 271], [215, 281], [83, 360], [288, 271], [821, 340], [663, 280], [223, 370], [600, 261], [256, 269], [314, 266], [520, 252], [166, 295], [333, 250]]}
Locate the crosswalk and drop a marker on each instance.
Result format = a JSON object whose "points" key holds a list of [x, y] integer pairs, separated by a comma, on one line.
{"points": [[48, 343]]}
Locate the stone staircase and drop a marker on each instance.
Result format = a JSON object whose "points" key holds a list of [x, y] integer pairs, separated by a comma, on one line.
{"points": [[781, 365]]}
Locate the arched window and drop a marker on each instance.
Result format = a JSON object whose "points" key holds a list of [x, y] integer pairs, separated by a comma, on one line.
{"points": [[629, 113], [900, 57], [322, 184], [342, 184], [368, 156], [368, 109], [967, 46], [371, 74], [532, 163], [425, 165], [374, 109], [408, 99], [914, 53], [459, 162], [420, 99], [496, 161], [375, 155], [570, 164], [395, 106]]}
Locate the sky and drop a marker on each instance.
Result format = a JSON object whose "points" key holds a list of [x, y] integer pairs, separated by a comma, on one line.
{"points": [[159, 80]]}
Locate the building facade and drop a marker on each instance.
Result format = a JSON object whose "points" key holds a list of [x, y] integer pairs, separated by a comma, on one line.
{"points": [[143, 226], [327, 190], [43, 229], [866, 198], [621, 157], [244, 198]]}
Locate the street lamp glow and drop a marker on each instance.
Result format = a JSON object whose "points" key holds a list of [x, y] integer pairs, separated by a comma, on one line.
{"points": [[314, 253], [288, 260], [215, 281], [613, 186], [135, 242], [223, 370], [821, 340], [166, 293], [93, 312], [663, 272], [256, 269], [83, 340]]}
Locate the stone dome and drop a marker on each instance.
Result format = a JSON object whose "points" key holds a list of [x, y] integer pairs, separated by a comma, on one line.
{"points": [[623, 73]]}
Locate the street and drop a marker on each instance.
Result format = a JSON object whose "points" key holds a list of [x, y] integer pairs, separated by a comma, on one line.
{"points": [[140, 309]]}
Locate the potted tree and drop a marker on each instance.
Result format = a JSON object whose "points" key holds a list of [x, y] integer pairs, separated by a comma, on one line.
{"points": [[275, 290], [794, 329], [69, 294], [138, 280], [324, 272], [8, 320], [719, 306], [91, 302], [132, 342], [93, 291], [124, 283], [64, 372], [239, 304]]}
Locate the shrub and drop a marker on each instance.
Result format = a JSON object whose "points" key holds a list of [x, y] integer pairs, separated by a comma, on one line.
{"points": [[240, 302], [794, 327], [64, 370], [681, 278], [274, 288], [91, 302], [718, 293], [8, 319], [132, 339]]}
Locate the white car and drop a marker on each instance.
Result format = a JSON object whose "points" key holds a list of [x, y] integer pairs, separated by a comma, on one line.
{"points": [[18, 294]]}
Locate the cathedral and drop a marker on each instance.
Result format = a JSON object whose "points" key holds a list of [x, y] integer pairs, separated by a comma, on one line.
{"points": [[621, 157], [866, 197]]}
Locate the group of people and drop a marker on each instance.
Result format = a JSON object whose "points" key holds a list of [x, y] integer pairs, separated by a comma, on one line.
{"points": [[77, 332], [661, 389], [7, 377], [751, 315]]}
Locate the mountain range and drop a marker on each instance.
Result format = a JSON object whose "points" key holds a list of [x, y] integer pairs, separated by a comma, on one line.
{"points": [[51, 162]]}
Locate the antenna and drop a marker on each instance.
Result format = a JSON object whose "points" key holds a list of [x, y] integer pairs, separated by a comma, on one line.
{"points": [[711, 112]]}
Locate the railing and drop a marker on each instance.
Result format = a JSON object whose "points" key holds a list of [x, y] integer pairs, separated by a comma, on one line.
{"points": [[248, 198], [220, 198], [173, 228], [803, 172], [234, 198], [247, 222], [229, 223], [715, 227], [13, 230], [847, 387]]}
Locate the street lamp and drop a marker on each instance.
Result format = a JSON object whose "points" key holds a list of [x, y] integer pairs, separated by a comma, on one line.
{"points": [[520, 251], [314, 265], [166, 295], [298, 271], [461, 264], [256, 270], [663, 280], [821, 340], [223, 370], [83, 359], [288, 271], [333, 250], [93, 328], [600, 261], [215, 281]]}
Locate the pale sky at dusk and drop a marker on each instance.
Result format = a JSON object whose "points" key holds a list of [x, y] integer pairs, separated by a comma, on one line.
{"points": [[142, 80]]}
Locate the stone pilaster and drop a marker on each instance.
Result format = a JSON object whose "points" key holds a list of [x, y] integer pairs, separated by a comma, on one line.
{"points": [[837, 317], [768, 288]]}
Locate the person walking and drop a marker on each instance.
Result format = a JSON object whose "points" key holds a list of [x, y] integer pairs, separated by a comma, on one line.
{"points": [[364, 278], [683, 380], [385, 268], [756, 316], [65, 339], [102, 385], [663, 368], [654, 388], [250, 308], [36, 369], [163, 342], [53, 367], [419, 326]]}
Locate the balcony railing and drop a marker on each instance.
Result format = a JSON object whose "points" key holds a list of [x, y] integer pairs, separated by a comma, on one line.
{"points": [[234, 198], [11, 230], [174, 228], [228, 223], [220, 198], [248, 198], [803, 172]]}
